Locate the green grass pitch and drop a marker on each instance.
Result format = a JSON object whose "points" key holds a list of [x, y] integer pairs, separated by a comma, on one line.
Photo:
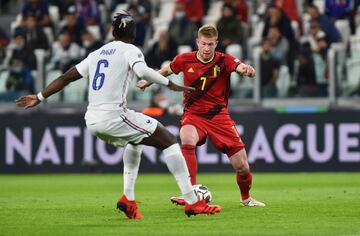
{"points": [[297, 204]]}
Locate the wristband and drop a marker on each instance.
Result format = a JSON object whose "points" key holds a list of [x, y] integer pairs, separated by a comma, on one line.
{"points": [[40, 97]]}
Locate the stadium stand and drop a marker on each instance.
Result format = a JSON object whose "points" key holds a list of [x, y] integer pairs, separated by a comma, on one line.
{"points": [[163, 12]]}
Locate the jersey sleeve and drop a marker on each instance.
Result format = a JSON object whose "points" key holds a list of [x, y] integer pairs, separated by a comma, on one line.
{"points": [[231, 62], [134, 55], [83, 67], [177, 64]]}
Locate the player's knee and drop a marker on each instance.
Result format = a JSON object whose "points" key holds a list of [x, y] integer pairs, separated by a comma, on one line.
{"points": [[242, 167]]}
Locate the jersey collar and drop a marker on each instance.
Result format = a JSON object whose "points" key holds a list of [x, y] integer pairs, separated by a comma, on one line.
{"points": [[202, 61]]}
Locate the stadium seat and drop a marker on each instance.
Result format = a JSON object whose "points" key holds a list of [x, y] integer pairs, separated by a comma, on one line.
{"points": [[295, 28], [54, 15], [184, 48], [214, 12], [283, 82], [95, 31], [49, 34], [50, 77], [353, 74], [355, 46], [320, 5], [3, 76], [166, 10], [344, 29], [76, 92], [235, 50]]}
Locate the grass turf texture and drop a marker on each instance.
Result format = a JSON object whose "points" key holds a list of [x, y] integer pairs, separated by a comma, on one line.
{"points": [[297, 204]]}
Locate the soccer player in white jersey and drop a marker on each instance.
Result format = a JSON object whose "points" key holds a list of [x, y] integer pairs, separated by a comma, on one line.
{"points": [[109, 70]]}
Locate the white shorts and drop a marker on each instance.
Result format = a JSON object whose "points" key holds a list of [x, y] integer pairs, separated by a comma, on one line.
{"points": [[128, 127]]}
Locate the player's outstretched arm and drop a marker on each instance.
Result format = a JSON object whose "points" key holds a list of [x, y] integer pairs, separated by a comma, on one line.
{"points": [[247, 70], [143, 84], [148, 74], [33, 100]]}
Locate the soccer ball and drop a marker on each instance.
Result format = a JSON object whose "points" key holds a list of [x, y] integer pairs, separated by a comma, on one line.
{"points": [[203, 193]]}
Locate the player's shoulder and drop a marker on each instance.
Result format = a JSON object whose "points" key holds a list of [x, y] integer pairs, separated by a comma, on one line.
{"points": [[187, 55]]}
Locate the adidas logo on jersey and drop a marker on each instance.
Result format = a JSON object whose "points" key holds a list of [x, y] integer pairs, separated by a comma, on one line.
{"points": [[191, 70]]}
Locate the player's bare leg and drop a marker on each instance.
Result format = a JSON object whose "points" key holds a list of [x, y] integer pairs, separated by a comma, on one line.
{"points": [[189, 138], [175, 162], [244, 178]]}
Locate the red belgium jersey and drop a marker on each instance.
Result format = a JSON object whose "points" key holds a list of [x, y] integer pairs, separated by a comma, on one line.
{"points": [[211, 81]]}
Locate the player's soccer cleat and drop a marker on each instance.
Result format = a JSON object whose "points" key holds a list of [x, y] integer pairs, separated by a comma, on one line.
{"points": [[200, 207], [178, 200], [129, 208], [251, 202]]}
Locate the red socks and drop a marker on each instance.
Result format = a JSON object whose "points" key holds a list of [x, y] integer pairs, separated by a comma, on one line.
{"points": [[189, 152], [244, 181]]}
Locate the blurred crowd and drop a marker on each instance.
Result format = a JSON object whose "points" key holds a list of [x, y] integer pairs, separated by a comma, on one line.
{"points": [[293, 36]]}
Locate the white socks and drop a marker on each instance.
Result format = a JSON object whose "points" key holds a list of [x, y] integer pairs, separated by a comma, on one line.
{"points": [[177, 166], [174, 161], [131, 159]]}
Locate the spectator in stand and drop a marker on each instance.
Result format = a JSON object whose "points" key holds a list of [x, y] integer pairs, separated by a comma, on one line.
{"points": [[194, 11], [326, 24], [89, 14], [241, 8], [141, 29], [89, 42], [277, 18], [35, 36], [163, 50], [317, 47], [4, 41], [73, 25], [269, 70], [343, 9], [39, 9], [21, 61], [20, 79], [289, 7], [65, 53], [229, 28], [181, 29], [21, 51], [144, 9], [279, 45]]}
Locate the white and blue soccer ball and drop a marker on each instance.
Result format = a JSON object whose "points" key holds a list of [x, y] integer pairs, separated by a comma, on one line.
{"points": [[203, 192]]}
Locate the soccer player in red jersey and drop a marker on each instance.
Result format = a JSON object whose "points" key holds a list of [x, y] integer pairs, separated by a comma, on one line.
{"points": [[206, 109]]}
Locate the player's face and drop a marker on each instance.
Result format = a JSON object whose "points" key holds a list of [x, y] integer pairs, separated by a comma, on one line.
{"points": [[206, 47]]}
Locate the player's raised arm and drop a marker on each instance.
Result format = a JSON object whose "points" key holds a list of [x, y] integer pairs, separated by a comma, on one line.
{"points": [[32, 100], [144, 72], [247, 70]]}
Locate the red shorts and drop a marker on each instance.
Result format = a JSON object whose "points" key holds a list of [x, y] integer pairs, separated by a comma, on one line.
{"points": [[221, 130]]}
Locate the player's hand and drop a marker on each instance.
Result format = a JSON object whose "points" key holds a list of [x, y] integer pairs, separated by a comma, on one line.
{"points": [[143, 84], [178, 88], [246, 70], [27, 101]]}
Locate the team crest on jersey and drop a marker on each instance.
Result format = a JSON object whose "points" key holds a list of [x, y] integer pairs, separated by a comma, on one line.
{"points": [[191, 70], [216, 70]]}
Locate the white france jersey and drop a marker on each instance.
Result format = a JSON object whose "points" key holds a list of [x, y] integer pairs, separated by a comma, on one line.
{"points": [[109, 70]]}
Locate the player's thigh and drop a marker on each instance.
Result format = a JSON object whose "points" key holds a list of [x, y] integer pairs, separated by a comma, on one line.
{"points": [[189, 134], [161, 138], [224, 136]]}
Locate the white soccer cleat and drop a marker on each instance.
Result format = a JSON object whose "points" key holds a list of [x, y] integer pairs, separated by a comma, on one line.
{"points": [[251, 202]]}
